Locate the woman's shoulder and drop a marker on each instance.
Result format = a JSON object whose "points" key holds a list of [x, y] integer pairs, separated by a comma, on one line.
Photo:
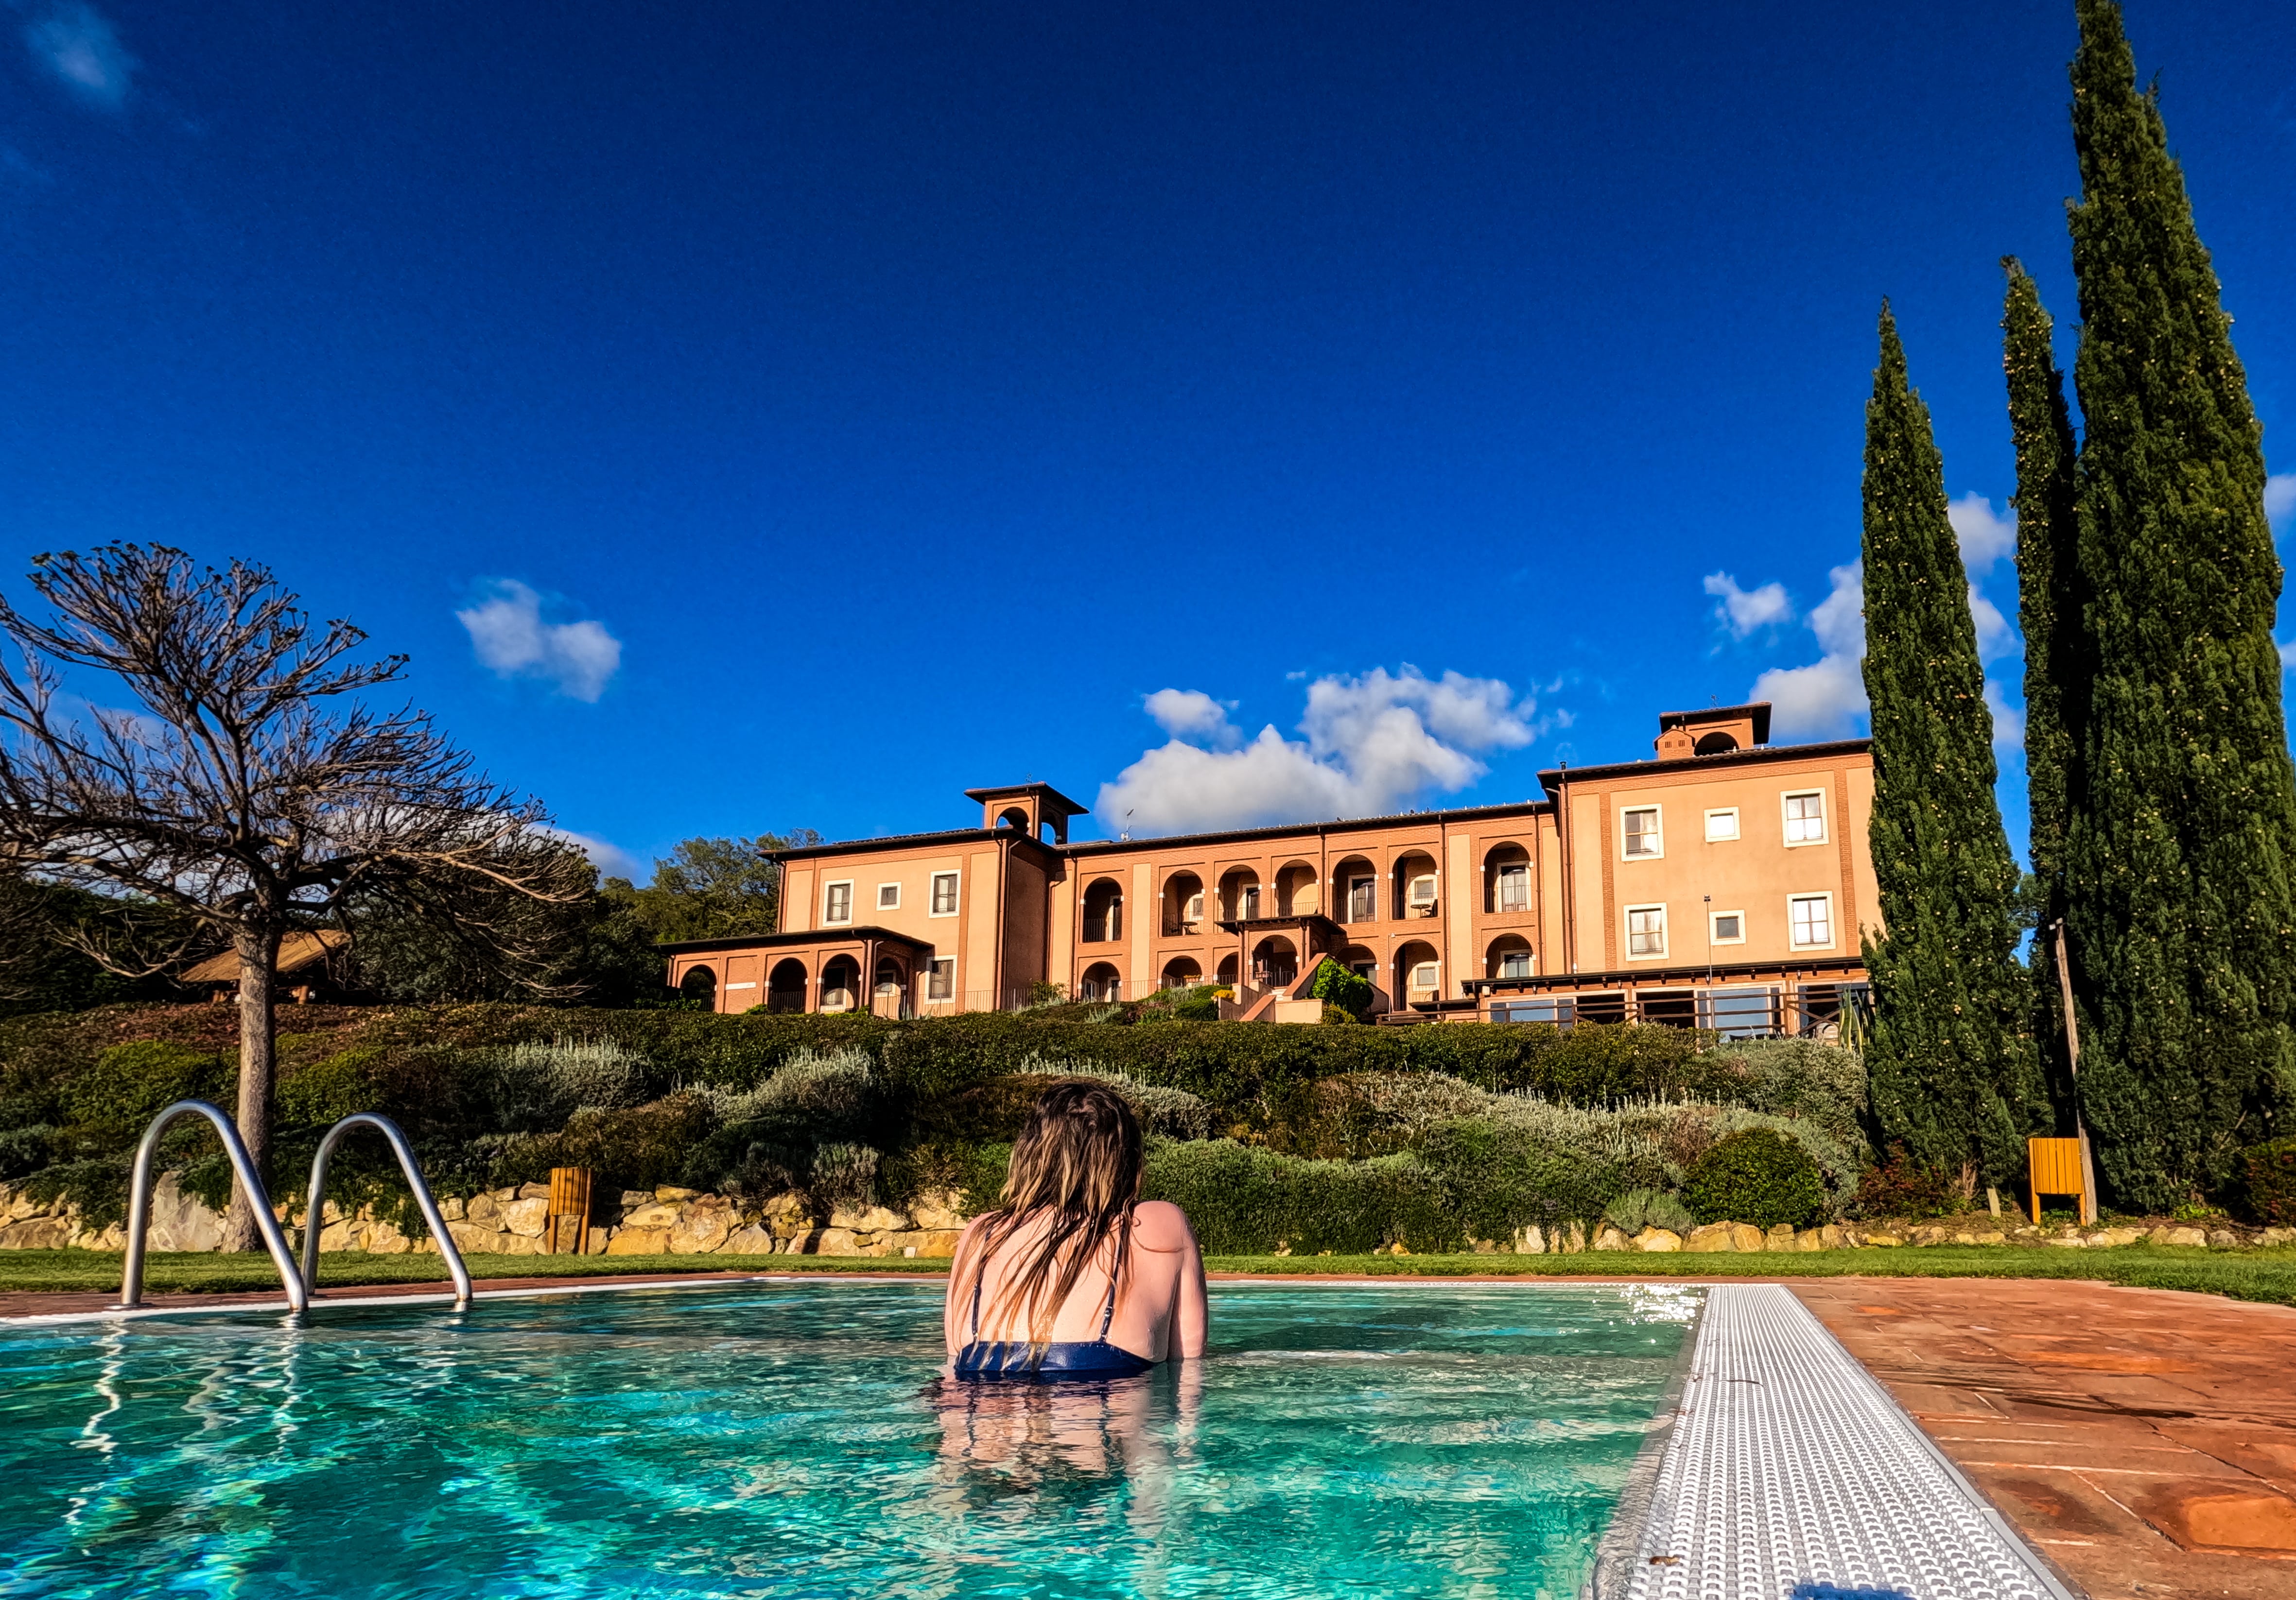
{"points": [[1160, 1225]]}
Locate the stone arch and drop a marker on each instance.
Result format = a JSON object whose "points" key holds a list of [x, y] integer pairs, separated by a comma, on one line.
{"points": [[841, 984], [1181, 972], [785, 985], [1717, 743], [1507, 879], [1415, 871], [1411, 964], [1226, 970], [1297, 890], [1183, 891], [1239, 895], [1355, 890], [1103, 912], [1275, 963], [699, 983], [1510, 956], [889, 989], [1015, 818], [1101, 982]]}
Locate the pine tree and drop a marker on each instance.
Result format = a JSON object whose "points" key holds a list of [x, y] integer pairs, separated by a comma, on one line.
{"points": [[2182, 828], [2049, 616], [1953, 1078]]}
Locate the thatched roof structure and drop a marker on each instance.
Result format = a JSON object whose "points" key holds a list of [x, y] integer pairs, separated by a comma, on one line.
{"points": [[297, 951]]}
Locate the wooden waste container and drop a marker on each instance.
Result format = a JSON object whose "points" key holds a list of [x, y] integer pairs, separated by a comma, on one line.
{"points": [[2058, 1167], [570, 1211]]}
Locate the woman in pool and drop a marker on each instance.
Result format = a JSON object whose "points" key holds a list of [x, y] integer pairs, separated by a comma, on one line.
{"points": [[1074, 1276]]}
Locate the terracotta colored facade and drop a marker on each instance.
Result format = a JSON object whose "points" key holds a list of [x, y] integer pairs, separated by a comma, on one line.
{"points": [[1723, 884]]}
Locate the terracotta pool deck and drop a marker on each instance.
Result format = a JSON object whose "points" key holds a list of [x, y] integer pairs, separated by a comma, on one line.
{"points": [[2144, 1440]]}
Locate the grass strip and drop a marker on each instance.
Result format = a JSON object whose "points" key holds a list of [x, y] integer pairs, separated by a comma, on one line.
{"points": [[2260, 1274]]}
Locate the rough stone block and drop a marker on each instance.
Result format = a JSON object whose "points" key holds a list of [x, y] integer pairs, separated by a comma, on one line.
{"points": [[1609, 1238], [451, 1207], [471, 1238], [1714, 1236], [877, 1218], [660, 1214], [1882, 1240], [1781, 1237], [182, 1221], [697, 1233], [753, 1240], [668, 1193], [527, 1217], [482, 1208], [1658, 1241], [639, 1241], [837, 1241], [1530, 1240], [37, 1233], [2189, 1237], [937, 1243]]}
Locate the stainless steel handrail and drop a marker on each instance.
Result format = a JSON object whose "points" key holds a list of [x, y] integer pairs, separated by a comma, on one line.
{"points": [[423, 1202], [139, 1205]]}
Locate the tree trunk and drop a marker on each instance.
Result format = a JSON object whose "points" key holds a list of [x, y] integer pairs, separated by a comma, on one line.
{"points": [[258, 957]]}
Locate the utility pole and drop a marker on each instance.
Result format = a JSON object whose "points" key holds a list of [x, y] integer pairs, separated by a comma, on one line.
{"points": [[2072, 1056]]}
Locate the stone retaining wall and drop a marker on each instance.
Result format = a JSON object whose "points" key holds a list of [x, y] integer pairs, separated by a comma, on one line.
{"points": [[510, 1222]]}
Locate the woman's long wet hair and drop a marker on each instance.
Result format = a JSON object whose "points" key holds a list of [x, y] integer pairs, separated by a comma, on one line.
{"points": [[1076, 1165]]}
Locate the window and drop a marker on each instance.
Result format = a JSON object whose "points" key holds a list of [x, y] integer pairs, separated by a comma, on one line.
{"points": [[1514, 888], [1425, 975], [1558, 1012], [1423, 894], [1194, 910], [1247, 903], [1642, 832], [1810, 917], [1806, 818], [1646, 931], [1516, 964], [1721, 825], [1364, 970], [940, 981], [1363, 899], [1729, 927], [944, 894], [838, 905], [889, 897]]}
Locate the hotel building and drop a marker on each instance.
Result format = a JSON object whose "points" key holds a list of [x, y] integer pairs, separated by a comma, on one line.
{"points": [[1721, 883]]}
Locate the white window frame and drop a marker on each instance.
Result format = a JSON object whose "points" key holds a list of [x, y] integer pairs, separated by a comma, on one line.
{"points": [[1414, 900], [827, 920], [884, 905], [1736, 831], [1786, 823], [1529, 958], [1499, 886], [1832, 935], [1411, 978], [1626, 925], [1371, 900], [938, 971], [955, 882], [1194, 909], [1713, 933], [1658, 832]]}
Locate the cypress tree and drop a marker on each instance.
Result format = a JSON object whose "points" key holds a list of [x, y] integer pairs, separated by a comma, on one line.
{"points": [[2049, 616], [2181, 826], [1953, 1075]]}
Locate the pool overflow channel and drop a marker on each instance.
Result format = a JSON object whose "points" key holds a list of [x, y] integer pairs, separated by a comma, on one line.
{"points": [[301, 1285]]}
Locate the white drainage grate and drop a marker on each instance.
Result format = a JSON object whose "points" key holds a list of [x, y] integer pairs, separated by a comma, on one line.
{"points": [[1792, 1474]]}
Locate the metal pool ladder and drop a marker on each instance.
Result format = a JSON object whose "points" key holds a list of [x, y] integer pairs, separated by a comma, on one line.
{"points": [[139, 1206], [309, 1281]]}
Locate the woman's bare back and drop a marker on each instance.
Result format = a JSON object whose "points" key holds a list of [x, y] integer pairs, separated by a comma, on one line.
{"points": [[1160, 1307]]}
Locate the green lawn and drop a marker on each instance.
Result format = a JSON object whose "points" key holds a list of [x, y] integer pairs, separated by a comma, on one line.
{"points": [[2266, 1274]]}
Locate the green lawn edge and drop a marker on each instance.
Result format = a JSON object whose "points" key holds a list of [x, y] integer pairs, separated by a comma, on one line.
{"points": [[2267, 1276]]}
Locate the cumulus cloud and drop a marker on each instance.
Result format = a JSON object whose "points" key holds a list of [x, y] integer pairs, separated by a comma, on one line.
{"points": [[2288, 654], [78, 47], [507, 631], [1995, 637], [1985, 537], [1746, 611], [1372, 744], [1824, 698], [2279, 497], [2008, 721], [609, 859]]}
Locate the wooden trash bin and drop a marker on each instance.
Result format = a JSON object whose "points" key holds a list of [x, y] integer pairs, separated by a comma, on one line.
{"points": [[2060, 1166], [570, 1211]]}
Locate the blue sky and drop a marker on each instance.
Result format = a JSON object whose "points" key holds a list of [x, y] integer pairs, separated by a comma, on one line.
{"points": [[751, 418]]}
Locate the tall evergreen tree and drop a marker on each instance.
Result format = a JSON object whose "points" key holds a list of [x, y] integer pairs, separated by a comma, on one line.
{"points": [[1954, 1076], [2182, 828], [2049, 615]]}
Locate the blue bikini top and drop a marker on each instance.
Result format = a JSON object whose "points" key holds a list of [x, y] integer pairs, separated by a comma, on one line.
{"points": [[1007, 1360]]}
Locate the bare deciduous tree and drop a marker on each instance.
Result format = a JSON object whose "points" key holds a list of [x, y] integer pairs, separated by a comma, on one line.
{"points": [[243, 791]]}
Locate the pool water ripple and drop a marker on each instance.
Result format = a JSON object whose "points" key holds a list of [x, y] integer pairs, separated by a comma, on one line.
{"points": [[790, 1441]]}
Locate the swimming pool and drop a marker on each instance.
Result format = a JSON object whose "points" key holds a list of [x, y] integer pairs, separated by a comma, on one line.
{"points": [[785, 1439]]}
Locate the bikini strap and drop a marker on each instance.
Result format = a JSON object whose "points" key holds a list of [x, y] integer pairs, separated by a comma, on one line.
{"points": [[1123, 1249], [980, 1271]]}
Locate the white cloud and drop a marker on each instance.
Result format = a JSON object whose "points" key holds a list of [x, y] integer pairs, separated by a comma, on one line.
{"points": [[1190, 714], [2288, 654], [509, 636], [1746, 611], [79, 49], [2008, 721], [1824, 698], [1372, 744], [2279, 497], [609, 859], [1995, 637], [1985, 537]]}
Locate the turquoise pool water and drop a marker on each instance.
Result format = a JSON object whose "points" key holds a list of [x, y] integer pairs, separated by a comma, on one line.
{"points": [[789, 1439]]}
